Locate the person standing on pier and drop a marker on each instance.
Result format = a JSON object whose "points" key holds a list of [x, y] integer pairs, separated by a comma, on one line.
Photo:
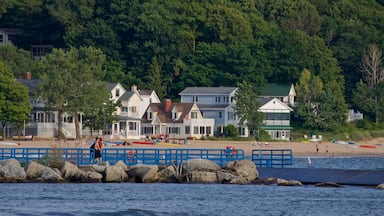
{"points": [[98, 150]]}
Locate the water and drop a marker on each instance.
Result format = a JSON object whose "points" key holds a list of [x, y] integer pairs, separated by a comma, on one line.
{"points": [[197, 199]]}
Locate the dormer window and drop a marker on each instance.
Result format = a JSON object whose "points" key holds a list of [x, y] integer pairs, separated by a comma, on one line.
{"points": [[117, 93], [149, 116], [193, 115], [174, 115]]}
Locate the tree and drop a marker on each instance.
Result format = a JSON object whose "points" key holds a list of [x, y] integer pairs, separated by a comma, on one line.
{"points": [[70, 82], [19, 60], [309, 89], [247, 107], [14, 105], [368, 95]]}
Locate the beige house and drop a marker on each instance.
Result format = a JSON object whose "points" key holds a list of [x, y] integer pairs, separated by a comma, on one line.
{"points": [[176, 121]]}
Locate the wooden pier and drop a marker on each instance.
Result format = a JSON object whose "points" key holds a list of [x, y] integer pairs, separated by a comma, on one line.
{"points": [[314, 176]]}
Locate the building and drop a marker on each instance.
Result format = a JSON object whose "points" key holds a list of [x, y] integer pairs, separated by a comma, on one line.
{"points": [[284, 92], [176, 121], [276, 118], [216, 103], [133, 105]]}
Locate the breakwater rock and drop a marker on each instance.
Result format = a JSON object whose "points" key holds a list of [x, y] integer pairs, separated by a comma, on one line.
{"points": [[192, 171]]}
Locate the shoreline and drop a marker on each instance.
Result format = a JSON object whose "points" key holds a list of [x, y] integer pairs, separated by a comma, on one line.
{"points": [[366, 148]]}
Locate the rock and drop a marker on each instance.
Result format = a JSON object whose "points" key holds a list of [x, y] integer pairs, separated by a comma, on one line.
{"points": [[144, 173], [381, 186], [328, 184], [245, 168], [283, 182], [202, 177], [92, 177], [36, 171], [115, 174], [99, 167], [122, 165], [169, 175], [11, 171], [71, 172], [225, 176], [265, 181], [200, 165]]}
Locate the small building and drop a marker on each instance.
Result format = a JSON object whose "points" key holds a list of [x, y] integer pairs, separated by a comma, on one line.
{"points": [[7, 34], [276, 118], [284, 92], [354, 115]]}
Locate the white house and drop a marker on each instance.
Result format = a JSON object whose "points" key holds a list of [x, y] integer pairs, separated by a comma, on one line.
{"points": [[276, 118], [216, 103], [43, 122], [133, 105], [176, 121]]}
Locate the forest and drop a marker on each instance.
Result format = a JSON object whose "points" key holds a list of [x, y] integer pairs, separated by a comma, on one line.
{"points": [[167, 45]]}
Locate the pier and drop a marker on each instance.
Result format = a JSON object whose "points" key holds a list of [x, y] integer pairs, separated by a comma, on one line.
{"points": [[314, 176]]}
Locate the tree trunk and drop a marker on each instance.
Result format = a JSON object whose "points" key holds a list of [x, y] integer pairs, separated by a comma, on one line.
{"points": [[59, 124], [4, 129], [78, 137]]}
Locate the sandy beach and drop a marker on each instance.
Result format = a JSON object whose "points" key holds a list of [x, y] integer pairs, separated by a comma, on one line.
{"points": [[374, 147]]}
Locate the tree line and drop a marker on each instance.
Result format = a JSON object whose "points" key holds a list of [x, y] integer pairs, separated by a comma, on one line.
{"points": [[167, 45]]}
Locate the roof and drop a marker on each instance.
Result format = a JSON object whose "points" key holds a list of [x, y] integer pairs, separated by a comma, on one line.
{"points": [[11, 31], [126, 96], [276, 89], [31, 84], [263, 101], [207, 90], [166, 117], [110, 86], [145, 92]]}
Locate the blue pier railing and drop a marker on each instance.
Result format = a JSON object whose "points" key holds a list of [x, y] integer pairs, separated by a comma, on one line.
{"points": [[272, 157], [84, 156]]}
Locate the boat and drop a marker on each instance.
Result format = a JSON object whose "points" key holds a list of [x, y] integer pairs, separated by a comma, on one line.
{"points": [[8, 143], [367, 146], [142, 142]]}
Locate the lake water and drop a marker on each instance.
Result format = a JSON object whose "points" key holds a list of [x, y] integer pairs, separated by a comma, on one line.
{"points": [[197, 199]]}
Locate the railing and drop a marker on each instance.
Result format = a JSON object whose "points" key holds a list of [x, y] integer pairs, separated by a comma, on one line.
{"points": [[84, 156], [272, 157]]}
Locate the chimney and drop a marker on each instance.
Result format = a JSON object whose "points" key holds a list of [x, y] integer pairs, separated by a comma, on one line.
{"points": [[167, 105], [133, 88], [28, 76]]}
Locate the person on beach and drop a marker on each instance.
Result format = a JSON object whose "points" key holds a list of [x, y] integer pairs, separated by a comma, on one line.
{"points": [[98, 150], [317, 148], [92, 149]]}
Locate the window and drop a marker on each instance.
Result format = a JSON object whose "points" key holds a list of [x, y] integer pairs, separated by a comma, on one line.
{"points": [[124, 109], [195, 99], [187, 129], [193, 115], [208, 130], [217, 99], [149, 115], [1, 38], [195, 130], [146, 130], [226, 99], [117, 93], [174, 115], [232, 99], [220, 114], [231, 116], [132, 126], [173, 130], [133, 109], [202, 130]]}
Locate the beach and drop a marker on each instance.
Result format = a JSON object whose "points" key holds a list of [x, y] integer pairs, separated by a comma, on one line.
{"points": [[374, 147]]}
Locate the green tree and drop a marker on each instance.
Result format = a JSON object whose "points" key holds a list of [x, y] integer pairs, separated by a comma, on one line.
{"points": [[70, 80], [246, 106], [367, 95], [14, 105], [19, 60]]}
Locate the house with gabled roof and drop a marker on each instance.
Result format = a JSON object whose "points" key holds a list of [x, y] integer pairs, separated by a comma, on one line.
{"points": [[283, 91], [216, 103], [43, 122], [133, 105], [277, 117], [176, 120]]}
